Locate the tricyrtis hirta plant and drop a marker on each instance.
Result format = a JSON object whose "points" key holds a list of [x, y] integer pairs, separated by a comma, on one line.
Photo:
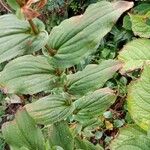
{"points": [[69, 100]]}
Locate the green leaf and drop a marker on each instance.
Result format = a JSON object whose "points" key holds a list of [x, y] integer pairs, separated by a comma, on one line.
{"points": [[50, 109], [77, 37], [118, 123], [22, 133], [94, 104], [13, 4], [142, 8], [16, 37], [135, 54], [60, 135], [127, 23], [132, 138], [138, 99], [27, 75], [23, 148], [108, 114], [57, 148], [140, 25], [83, 144], [92, 77], [98, 135]]}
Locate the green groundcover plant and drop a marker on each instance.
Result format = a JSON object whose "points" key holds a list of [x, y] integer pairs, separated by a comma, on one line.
{"points": [[37, 62]]}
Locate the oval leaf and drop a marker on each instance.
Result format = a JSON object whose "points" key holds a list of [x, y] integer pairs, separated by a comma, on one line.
{"points": [[132, 138], [94, 104], [138, 99], [60, 135], [22, 133], [92, 77], [135, 54], [140, 25], [77, 37], [16, 38], [50, 109], [27, 75]]}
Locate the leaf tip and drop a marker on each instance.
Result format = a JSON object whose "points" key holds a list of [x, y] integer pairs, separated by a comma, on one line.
{"points": [[123, 5]]}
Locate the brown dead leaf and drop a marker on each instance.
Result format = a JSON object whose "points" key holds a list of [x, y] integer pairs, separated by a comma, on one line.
{"points": [[41, 4], [29, 13], [22, 2], [27, 9]]}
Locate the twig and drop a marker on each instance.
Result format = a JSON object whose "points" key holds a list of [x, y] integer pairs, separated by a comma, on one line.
{"points": [[33, 26], [36, 31], [2, 3], [52, 52]]}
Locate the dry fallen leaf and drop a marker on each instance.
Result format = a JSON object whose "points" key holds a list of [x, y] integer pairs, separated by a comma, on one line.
{"points": [[109, 125], [27, 9]]}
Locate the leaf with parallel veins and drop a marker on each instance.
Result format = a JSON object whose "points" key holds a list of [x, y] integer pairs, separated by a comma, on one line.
{"points": [[28, 75], [22, 133], [135, 54], [94, 104], [131, 137], [17, 38], [138, 101], [50, 109], [92, 77], [77, 37]]}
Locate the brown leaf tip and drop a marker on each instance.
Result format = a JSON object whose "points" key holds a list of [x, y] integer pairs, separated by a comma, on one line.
{"points": [[123, 5]]}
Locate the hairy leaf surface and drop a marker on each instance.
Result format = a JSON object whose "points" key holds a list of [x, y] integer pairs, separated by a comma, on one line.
{"points": [[138, 99], [94, 104], [132, 138], [77, 37], [83, 144], [27, 75], [140, 25], [135, 54], [22, 133], [16, 37], [92, 77], [50, 109], [60, 135]]}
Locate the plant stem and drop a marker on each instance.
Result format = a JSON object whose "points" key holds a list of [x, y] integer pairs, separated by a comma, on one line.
{"points": [[33, 26], [52, 52], [58, 72]]}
